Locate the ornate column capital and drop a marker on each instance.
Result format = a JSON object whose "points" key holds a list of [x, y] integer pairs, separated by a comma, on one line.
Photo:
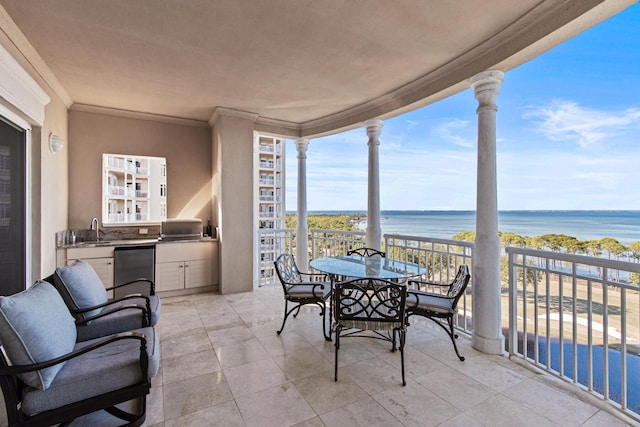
{"points": [[374, 127], [486, 86], [301, 147]]}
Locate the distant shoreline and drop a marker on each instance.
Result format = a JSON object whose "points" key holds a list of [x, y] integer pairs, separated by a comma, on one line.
{"points": [[382, 212]]}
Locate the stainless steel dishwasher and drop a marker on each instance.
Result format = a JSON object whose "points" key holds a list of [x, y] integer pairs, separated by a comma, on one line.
{"points": [[131, 263]]}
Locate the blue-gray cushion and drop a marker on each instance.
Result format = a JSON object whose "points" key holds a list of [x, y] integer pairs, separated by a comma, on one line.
{"points": [[80, 287], [108, 368], [120, 321], [36, 326]]}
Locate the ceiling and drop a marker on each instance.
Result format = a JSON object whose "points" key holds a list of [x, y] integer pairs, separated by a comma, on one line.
{"points": [[308, 67]]}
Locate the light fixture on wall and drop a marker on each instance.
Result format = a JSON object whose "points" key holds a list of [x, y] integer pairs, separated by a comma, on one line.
{"points": [[55, 143]]}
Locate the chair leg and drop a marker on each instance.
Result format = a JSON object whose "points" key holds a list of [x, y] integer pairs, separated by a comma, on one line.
{"points": [[287, 313], [453, 337], [337, 345], [402, 336]]}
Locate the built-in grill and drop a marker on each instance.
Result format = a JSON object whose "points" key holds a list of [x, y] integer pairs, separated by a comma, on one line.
{"points": [[181, 229]]}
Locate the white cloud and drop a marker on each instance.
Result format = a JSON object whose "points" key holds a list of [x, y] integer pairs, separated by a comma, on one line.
{"points": [[568, 121], [453, 131]]}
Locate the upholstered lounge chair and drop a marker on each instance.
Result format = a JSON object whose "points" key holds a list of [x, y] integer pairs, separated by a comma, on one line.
{"points": [[48, 378], [96, 316]]}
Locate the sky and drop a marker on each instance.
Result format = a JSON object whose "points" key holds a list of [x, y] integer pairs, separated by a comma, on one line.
{"points": [[568, 137]]}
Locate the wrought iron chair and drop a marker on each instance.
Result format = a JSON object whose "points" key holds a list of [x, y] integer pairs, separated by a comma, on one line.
{"points": [[48, 378], [302, 289], [97, 316], [371, 305], [363, 251], [438, 307]]}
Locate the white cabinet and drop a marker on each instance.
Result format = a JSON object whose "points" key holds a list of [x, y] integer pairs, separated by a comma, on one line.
{"points": [[184, 265], [101, 259]]}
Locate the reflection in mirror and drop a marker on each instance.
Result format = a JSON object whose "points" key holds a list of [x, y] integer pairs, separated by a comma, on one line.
{"points": [[134, 189]]}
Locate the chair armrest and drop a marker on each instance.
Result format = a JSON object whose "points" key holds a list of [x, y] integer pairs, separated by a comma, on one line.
{"points": [[321, 276], [152, 285], [145, 314], [20, 369], [419, 284], [105, 304], [418, 292]]}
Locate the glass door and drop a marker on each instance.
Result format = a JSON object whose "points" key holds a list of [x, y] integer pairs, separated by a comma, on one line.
{"points": [[12, 209]]}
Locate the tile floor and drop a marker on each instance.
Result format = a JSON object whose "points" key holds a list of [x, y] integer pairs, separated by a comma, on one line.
{"points": [[223, 364]]}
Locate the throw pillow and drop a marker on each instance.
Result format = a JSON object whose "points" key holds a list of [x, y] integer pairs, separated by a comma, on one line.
{"points": [[36, 326]]}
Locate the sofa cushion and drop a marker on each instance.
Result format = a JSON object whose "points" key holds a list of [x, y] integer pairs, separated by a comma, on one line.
{"points": [[80, 287], [111, 367], [36, 326]]}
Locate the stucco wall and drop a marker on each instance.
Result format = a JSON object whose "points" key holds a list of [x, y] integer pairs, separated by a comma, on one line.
{"points": [[186, 148]]}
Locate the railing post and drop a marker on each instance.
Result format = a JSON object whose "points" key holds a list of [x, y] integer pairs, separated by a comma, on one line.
{"points": [[513, 308]]}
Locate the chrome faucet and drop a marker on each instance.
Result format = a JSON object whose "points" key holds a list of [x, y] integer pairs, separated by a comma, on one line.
{"points": [[95, 221]]}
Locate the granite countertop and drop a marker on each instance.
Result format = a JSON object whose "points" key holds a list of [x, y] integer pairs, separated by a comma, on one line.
{"points": [[133, 242]]}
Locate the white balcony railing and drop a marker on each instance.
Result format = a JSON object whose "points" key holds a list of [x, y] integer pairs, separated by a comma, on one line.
{"points": [[273, 242], [577, 317], [441, 257], [335, 242]]}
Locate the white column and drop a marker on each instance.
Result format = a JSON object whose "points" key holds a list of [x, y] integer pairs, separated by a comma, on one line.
{"points": [[487, 317], [302, 231], [374, 233]]}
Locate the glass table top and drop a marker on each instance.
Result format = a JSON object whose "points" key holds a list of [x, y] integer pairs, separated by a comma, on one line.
{"points": [[367, 267]]}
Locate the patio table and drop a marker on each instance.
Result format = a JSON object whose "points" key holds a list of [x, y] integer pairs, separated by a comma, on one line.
{"points": [[359, 267]]}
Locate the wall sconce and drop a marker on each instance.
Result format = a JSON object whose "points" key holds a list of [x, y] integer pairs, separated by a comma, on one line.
{"points": [[55, 143]]}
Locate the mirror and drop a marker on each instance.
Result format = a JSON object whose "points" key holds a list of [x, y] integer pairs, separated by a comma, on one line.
{"points": [[134, 189]]}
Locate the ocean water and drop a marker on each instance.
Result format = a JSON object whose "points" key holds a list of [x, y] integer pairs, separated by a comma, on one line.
{"points": [[623, 226]]}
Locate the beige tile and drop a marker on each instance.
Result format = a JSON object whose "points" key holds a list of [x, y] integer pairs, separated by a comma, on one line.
{"points": [[458, 389], [366, 412], [241, 353], [604, 419], [553, 403], [224, 414], [228, 336], [278, 406], [189, 365], [461, 420], [303, 363], [253, 377], [191, 341], [500, 411], [324, 394], [285, 343], [428, 410], [489, 373], [313, 422], [194, 394], [416, 363], [372, 375], [155, 406]]}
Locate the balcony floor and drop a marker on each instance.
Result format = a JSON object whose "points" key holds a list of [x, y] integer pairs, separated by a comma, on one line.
{"points": [[223, 364]]}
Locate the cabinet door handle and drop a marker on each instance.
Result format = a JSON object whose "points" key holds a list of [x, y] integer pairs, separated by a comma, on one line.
{"points": [[180, 266]]}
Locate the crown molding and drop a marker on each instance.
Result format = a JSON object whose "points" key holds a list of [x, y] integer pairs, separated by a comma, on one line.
{"points": [[23, 47], [138, 115], [277, 127], [20, 91], [231, 112]]}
